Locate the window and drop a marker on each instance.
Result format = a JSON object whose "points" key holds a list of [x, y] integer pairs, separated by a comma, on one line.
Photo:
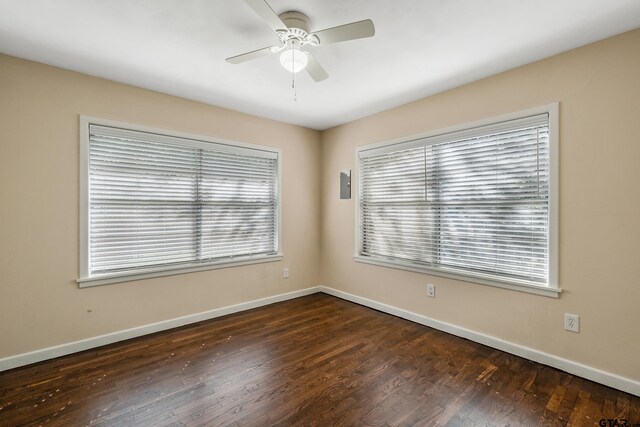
{"points": [[475, 204], [156, 202]]}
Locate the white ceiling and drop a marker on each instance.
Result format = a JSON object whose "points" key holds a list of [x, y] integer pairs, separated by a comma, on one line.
{"points": [[421, 47]]}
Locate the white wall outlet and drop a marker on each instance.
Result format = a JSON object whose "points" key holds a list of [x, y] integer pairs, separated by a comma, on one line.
{"points": [[572, 322], [285, 272], [431, 290]]}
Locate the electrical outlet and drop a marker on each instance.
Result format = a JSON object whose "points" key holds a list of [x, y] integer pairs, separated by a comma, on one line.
{"points": [[431, 290], [285, 273], [572, 322]]}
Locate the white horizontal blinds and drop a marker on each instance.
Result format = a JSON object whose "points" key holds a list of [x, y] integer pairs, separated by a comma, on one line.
{"points": [[474, 202], [396, 220], [141, 195], [161, 201], [238, 195]]}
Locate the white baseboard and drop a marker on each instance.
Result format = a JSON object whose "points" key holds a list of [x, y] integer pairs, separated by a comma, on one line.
{"points": [[593, 374], [89, 343], [611, 380]]}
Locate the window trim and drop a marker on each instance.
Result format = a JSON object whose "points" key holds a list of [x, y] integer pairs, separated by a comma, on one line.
{"points": [[85, 280], [552, 289]]}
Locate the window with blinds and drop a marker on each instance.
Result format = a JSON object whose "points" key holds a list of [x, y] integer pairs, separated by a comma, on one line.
{"points": [[162, 202], [472, 203]]}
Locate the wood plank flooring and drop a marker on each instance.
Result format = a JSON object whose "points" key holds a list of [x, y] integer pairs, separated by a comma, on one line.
{"points": [[312, 361]]}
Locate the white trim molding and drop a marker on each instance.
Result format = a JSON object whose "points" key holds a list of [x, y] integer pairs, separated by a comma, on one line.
{"points": [[602, 377], [94, 129], [526, 117], [512, 285], [89, 343], [171, 271]]}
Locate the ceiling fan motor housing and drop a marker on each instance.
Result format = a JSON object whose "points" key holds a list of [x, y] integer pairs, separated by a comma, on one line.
{"points": [[297, 29], [293, 19]]}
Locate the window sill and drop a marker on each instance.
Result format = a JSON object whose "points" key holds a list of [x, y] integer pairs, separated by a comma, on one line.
{"points": [[512, 285], [147, 274]]}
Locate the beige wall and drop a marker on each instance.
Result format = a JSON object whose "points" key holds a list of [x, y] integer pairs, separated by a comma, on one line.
{"points": [[598, 88], [40, 303]]}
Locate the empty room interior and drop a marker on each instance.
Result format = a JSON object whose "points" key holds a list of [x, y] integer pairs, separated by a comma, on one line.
{"points": [[319, 213]]}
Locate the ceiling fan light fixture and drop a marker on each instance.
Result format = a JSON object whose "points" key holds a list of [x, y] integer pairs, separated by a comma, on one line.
{"points": [[294, 60], [292, 30]]}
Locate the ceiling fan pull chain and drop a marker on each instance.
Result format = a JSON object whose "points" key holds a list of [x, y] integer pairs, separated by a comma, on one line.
{"points": [[293, 80]]}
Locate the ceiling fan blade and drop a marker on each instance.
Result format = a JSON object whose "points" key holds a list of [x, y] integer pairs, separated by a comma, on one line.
{"points": [[264, 11], [238, 59], [315, 70], [355, 30]]}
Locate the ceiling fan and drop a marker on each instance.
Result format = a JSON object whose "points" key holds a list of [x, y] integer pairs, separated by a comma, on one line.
{"points": [[292, 29]]}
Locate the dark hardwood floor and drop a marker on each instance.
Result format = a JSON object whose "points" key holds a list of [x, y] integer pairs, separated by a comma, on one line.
{"points": [[316, 360]]}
